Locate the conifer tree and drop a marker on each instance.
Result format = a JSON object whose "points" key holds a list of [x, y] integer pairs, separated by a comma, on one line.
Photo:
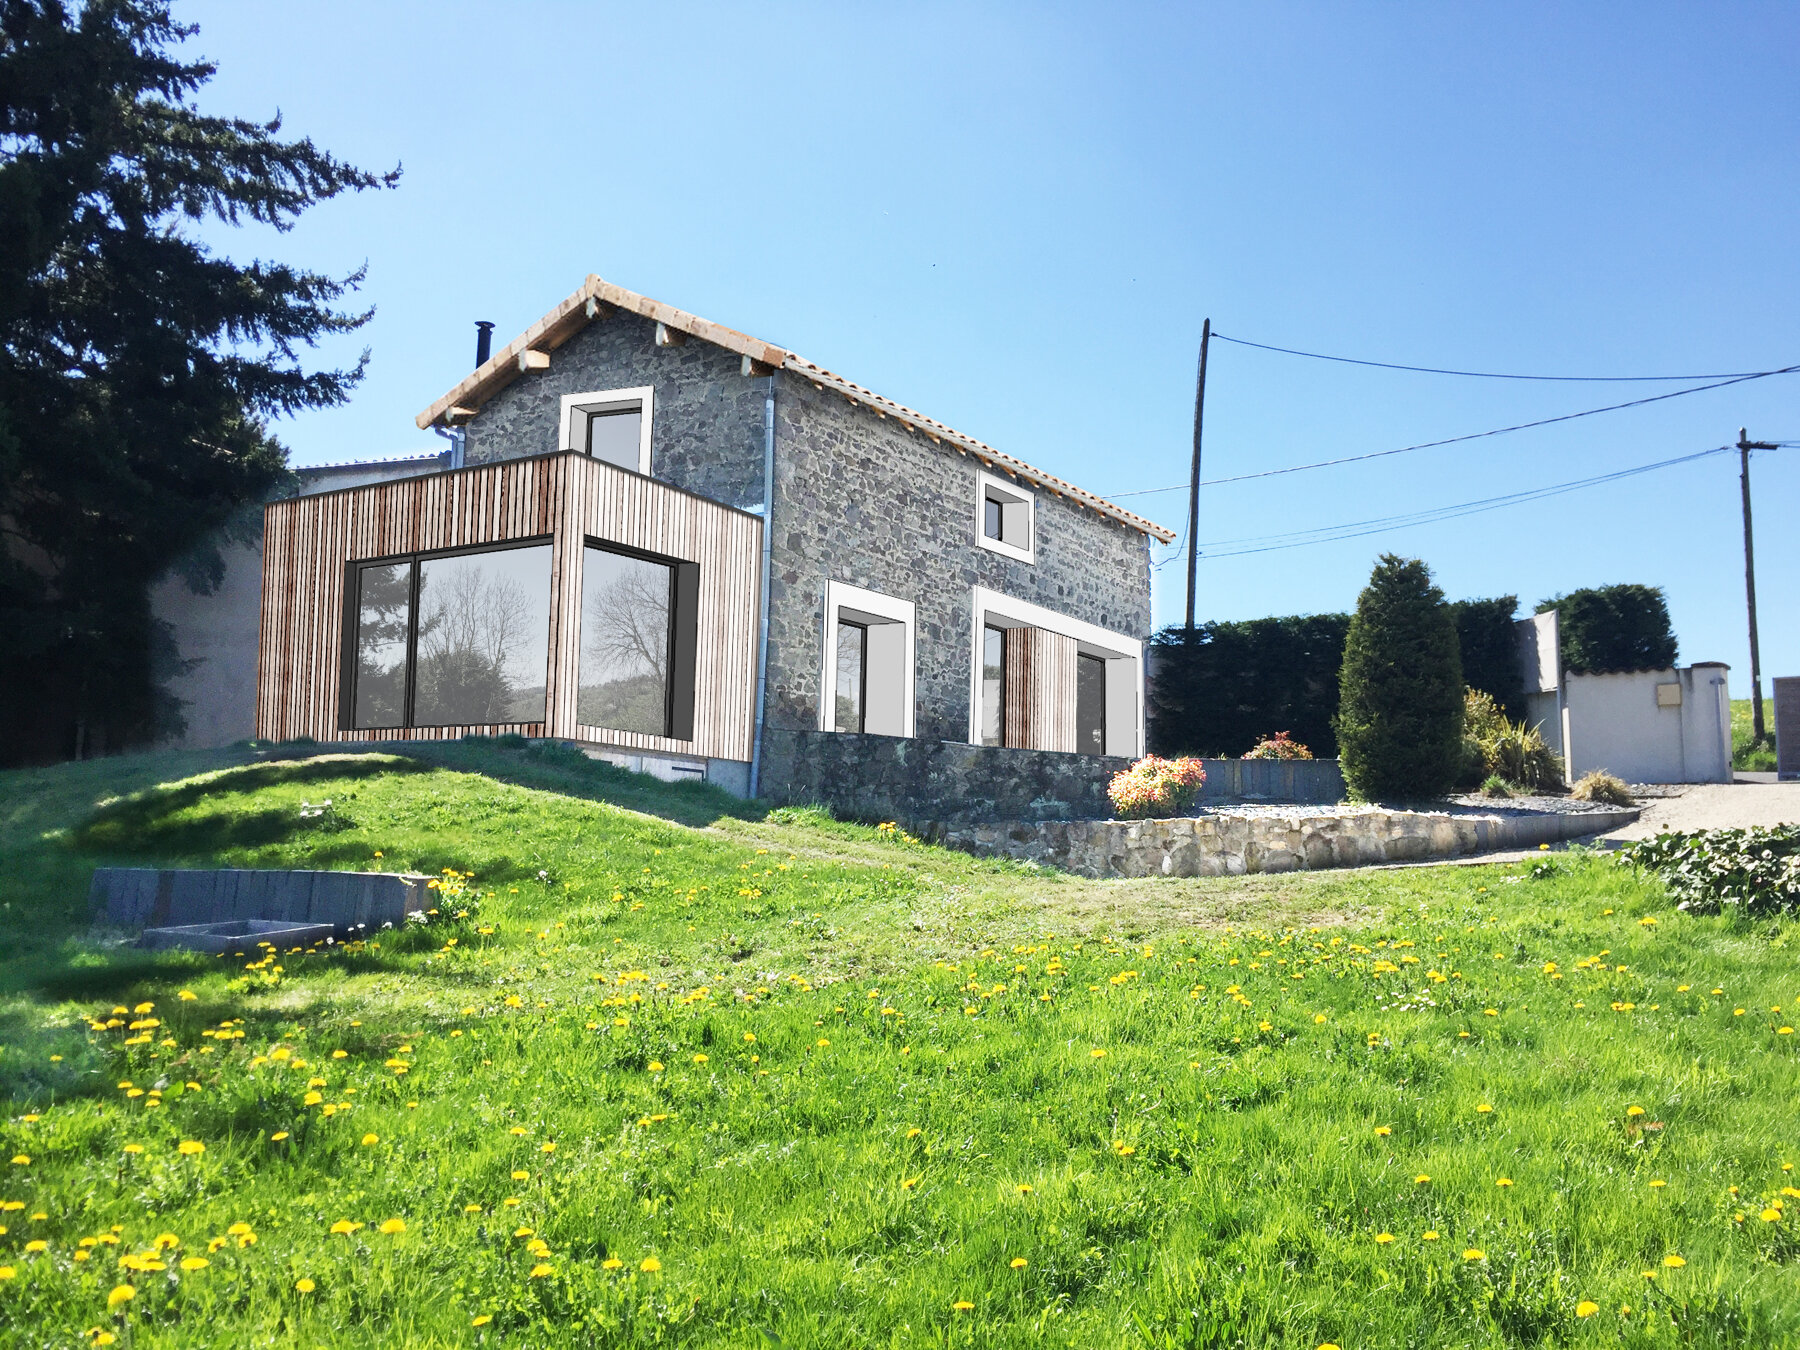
{"points": [[139, 370], [1400, 720]]}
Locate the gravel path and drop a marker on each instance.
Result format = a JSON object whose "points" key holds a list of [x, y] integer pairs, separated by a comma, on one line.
{"points": [[1711, 806]]}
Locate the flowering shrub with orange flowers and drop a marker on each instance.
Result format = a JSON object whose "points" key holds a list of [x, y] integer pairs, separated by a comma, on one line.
{"points": [[1279, 746], [1157, 787]]}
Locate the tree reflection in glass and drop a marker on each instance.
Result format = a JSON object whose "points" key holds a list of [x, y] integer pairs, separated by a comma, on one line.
{"points": [[383, 614], [625, 605], [484, 638]]}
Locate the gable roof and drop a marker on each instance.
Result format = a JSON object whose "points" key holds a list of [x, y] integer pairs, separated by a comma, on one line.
{"points": [[530, 351]]}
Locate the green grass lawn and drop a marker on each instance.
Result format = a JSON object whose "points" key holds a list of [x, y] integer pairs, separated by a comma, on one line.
{"points": [[1746, 752], [700, 1076]]}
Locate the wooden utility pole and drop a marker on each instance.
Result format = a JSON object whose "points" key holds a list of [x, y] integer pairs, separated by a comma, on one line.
{"points": [[1194, 483], [1745, 446]]}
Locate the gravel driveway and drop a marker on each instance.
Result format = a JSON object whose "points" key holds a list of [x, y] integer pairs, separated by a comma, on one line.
{"points": [[1711, 806]]}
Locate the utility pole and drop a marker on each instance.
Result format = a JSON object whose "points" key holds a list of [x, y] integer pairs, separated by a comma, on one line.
{"points": [[1745, 446], [1194, 483]]}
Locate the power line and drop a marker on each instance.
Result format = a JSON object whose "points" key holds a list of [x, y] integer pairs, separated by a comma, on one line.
{"points": [[1361, 528], [1457, 440], [1482, 374]]}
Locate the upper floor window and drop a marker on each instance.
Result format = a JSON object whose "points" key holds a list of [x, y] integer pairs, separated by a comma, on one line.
{"points": [[611, 425], [1004, 517], [448, 639]]}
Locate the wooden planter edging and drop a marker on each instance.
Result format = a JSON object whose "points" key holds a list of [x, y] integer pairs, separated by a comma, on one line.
{"points": [[1230, 845]]}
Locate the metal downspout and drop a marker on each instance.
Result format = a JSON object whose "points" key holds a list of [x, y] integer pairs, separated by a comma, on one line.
{"points": [[456, 436], [768, 543]]}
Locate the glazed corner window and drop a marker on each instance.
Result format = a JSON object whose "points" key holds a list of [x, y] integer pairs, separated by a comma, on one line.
{"points": [[866, 678], [612, 425], [639, 623], [449, 639], [1004, 518]]}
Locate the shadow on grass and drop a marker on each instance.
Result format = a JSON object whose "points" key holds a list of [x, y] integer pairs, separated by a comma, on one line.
{"points": [[553, 767]]}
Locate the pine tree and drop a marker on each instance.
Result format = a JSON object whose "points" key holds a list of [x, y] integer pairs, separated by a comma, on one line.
{"points": [[138, 369], [1400, 721]]}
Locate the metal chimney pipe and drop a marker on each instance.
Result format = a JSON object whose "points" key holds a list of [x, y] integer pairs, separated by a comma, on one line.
{"points": [[484, 340]]}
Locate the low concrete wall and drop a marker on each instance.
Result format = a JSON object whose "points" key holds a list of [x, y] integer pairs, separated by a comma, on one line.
{"points": [[136, 897], [1225, 844]]}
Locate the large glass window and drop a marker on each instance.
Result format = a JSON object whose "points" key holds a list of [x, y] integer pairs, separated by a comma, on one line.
{"points": [[1090, 705], [383, 631], [627, 642], [458, 639], [484, 638], [615, 435], [993, 686], [852, 675]]}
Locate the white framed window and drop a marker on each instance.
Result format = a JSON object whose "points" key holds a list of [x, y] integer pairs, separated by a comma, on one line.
{"points": [[1005, 517], [1103, 688], [866, 674], [611, 425]]}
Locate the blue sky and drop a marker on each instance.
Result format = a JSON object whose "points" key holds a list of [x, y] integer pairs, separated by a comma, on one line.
{"points": [[1014, 218]]}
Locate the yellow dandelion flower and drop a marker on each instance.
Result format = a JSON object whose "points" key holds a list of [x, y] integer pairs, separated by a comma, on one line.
{"points": [[1382, 1239], [190, 1148], [304, 1285], [1430, 1235], [9, 1273], [1658, 1184], [369, 1139], [612, 1263], [121, 1294], [37, 1245], [1634, 1110], [1474, 1254], [1421, 1179], [1586, 1308], [194, 1263], [1094, 1054], [1674, 1262], [1770, 1216], [187, 996], [962, 1305], [21, 1160], [547, 1148], [278, 1136], [649, 1265], [1382, 1131], [134, 1148], [655, 1066], [481, 1319], [1503, 1181], [392, 1226], [540, 1270], [521, 1175], [345, 1226]]}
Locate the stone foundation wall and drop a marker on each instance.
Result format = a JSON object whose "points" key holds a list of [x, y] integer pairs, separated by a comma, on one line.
{"points": [[1230, 845], [914, 781]]}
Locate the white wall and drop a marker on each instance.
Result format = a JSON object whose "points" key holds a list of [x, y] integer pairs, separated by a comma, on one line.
{"points": [[1617, 723]]}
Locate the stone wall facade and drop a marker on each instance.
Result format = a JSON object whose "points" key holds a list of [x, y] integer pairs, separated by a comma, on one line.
{"points": [[706, 423], [924, 784], [1227, 844], [858, 499]]}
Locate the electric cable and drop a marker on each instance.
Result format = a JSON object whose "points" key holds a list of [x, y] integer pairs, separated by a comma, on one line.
{"points": [[1479, 374], [1361, 528], [1457, 440]]}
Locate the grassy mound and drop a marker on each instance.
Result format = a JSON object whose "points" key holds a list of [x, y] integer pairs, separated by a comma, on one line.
{"points": [[778, 1080]]}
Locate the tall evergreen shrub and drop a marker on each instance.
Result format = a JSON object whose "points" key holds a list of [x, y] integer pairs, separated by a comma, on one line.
{"points": [[1400, 720], [1490, 650], [1613, 628]]}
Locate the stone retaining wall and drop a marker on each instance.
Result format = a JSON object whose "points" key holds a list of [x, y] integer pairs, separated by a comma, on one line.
{"points": [[1226, 844], [158, 897]]}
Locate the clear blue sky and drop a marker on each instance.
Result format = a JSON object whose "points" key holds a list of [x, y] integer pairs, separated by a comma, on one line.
{"points": [[1014, 218]]}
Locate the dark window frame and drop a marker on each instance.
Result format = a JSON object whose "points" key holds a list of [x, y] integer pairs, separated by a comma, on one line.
{"points": [[987, 628], [684, 636], [588, 434], [1101, 662], [993, 517], [353, 568], [862, 691]]}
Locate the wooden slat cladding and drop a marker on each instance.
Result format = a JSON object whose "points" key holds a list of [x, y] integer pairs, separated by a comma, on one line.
{"points": [[1040, 690], [567, 497]]}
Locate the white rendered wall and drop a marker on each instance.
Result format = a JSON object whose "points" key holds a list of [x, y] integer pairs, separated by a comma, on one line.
{"points": [[1616, 723]]}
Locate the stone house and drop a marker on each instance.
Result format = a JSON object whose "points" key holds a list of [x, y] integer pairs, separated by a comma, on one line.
{"points": [[699, 555]]}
